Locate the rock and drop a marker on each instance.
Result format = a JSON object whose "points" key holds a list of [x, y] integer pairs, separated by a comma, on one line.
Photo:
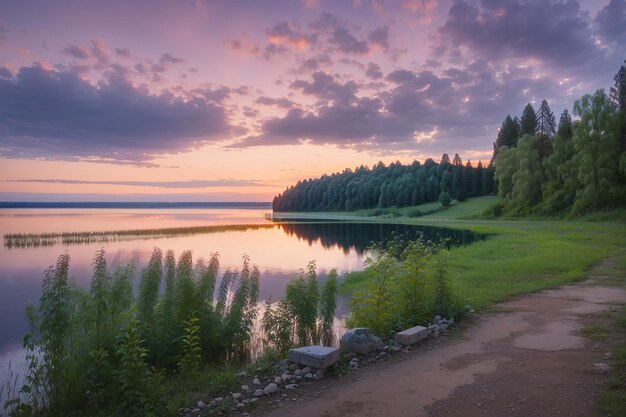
{"points": [[444, 326], [306, 370], [437, 319], [411, 336], [245, 388], [271, 388], [317, 356], [240, 405], [308, 376], [297, 372], [285, 377], [259, 393], [256, 381], [283, 365], [278, 380], [236, 395], [354, 360], [201, 404], [360, 340], [291, 386], [601, 368], [242, 374], [319, 374], [293, 366]]}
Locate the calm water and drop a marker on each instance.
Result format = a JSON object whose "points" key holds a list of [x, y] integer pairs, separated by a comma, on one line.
{"points": [[281, 251]]}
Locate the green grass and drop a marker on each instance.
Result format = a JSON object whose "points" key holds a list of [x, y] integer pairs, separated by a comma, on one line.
{"points": [[596, 332], [520, 257], [612, 399]]}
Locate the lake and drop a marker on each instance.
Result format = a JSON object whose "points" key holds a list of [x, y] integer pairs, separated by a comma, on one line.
{"points": [[128, 234]]}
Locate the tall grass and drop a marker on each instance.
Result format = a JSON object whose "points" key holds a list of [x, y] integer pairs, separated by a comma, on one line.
{"points": [[304, 315], [103, 350]]}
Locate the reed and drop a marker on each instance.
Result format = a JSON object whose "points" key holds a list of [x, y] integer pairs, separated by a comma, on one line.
{"points": [[29, 240]]}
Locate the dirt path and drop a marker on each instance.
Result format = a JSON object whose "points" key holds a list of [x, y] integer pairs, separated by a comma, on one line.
{"points": [[529, 360]]}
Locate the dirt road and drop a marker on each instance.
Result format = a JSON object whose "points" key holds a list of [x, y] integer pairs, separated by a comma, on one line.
{"points": [[529, 359]]}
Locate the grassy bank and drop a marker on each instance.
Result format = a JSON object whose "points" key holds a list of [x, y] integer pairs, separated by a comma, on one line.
{"points": [[520, 257]]}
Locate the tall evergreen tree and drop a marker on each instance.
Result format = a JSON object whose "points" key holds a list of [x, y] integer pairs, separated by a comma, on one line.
{"points": [[445, 159], [565, 130], [546, 123], [457, 161], [528, 122], [507, 135]]}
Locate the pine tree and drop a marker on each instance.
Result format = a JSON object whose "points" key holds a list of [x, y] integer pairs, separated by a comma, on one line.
{"points": [[565, 130], [507, 135], [546, 123], [528, 122]]}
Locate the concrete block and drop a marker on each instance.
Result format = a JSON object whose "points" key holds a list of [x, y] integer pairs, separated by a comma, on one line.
{"points": [[411, 336], [315, 356]]}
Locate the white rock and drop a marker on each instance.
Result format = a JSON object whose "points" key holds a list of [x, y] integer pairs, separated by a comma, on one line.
{"points": [[236, 395], [306, 370], [259, 393], [271, 388], [601, 368], [308, 375], [240, 405], [297, 372], [278, 380], [256, 381], [245, 388], [290, 386], [285, 377], [201, 404]]}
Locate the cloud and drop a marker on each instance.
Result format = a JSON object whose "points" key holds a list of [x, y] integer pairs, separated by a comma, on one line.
{"points": [[75, 52], [225, 182], [283, 33], [551, 31], [380, 37], [168, 58], [325, 87], [373, 71], [123, 52], [411, 112], [344, 41], [610, 23], [279, 102], [58, 115]]}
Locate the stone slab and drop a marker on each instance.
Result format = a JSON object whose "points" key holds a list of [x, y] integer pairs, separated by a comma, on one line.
{"points": [[320, 357], [411, 336]]}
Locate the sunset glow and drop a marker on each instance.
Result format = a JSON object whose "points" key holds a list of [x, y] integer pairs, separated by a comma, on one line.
{"points": [[236, 100]]}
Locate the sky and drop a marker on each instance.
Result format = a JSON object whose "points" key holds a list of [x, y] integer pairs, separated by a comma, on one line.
{"points": [[197, 100]]}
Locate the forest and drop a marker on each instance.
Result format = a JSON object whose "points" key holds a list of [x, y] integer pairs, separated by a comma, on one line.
{"points": [[396, 185], [538, 167], [573, 168]]}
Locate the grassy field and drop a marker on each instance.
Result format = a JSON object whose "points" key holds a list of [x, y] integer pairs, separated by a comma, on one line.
{"points": [[519, 257]]}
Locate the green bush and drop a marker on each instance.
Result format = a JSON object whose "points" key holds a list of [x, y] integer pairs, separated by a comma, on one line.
{"points": [[409, 286]]}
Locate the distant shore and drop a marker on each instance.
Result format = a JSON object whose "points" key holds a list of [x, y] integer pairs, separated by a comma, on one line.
{"points": [[132, 205]]}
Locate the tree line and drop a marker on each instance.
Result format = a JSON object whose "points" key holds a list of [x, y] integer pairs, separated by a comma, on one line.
{"points": [[575, 167], [396, 185]]}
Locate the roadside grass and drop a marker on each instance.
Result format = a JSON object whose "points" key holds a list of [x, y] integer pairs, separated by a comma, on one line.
{"points": [[205, 383], [612, 399], [596, 332]]}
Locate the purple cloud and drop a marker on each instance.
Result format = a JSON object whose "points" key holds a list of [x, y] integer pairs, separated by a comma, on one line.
{"points": [[58, 115]]}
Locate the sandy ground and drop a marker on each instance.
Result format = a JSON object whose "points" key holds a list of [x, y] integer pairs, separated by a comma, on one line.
{"points": [[529, 359]]}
